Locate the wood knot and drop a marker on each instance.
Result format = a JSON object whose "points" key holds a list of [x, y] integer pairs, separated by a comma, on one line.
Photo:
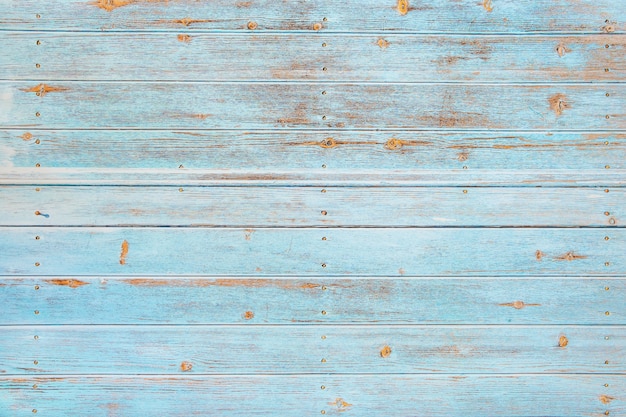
{"points": [[248, 315], [539, 255], [328, 143], [252, 25], [558, 103], [562, 50], [42, 89], [340, 404], [403, 7], [570, 256], [124, 252], [393, 144], [317, 26], [27, 136], [606, 399], [385, 352], [382, 43], [563, 341], [488, 5], [110, 5], [186, 366], [609, 27], [518, 305], [184, 38]]}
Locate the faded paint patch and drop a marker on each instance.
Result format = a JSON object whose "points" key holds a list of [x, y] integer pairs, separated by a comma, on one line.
{"points": [[186, 366], [110, 5], [6, 104], [6, 156], [519, 305], [124, 252], [382, 43], [569, 256], [184, 38], [42, 89], [403, 7], [72, 283], [488, 5], [248, 233], [341, 405], [539, 255], [558, 103]]}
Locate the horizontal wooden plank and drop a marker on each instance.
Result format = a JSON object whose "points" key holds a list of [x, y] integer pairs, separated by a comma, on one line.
{"points": [[391, 15], [303, 349], [170, 105], [385, 58], [301, 206], [294, 251], [185, 300], [363, 395], [277, 151]]}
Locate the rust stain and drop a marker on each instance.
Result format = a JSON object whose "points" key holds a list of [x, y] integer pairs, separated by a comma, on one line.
{"points": [[110, 5], [606, 399], [569, 256], [27, 136], [519, 305], [248, 233], [189, 21], [72, 283], [561, 49], [42, 89], [385, 352], [248, 315], [184, 38], [124, 252], [250, 283], [341, 405], [558, 103], [186, 366], [488, 5], [382, 43], [403, 7], [563, 341]]}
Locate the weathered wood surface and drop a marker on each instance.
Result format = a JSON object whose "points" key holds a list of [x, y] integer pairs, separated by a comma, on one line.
{"points": [[91, 151], [300, 349], [385, 58], [363, 395], [304, 206], [304, 251], [171, 105], [271, 300], [450, 16]]}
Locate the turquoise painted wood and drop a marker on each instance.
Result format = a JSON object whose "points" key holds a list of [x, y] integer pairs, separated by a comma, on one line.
{"points": [[382, 58], [450, 16], [367, 395], [304, 206], [346, 349], [173, 105], [507, 154], [304, 251], [286, 301], [297, 208]]}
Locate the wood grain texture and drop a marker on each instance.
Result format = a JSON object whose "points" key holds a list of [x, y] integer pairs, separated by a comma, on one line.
{"points": [[364, 395], [301, 206], [377, 152], [245, 57], [295, 251], [169, 105], [300, 349], [356, 300], [502, 16]]}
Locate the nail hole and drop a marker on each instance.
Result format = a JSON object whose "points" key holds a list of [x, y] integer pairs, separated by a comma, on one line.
{"points": [[324, 69], [606, 362], [606, 46], [323, 165], [323, 93], [465, 167], [35, 386], [607, 116], [323, 412], [324, 288], [323, 190], [606, 385], [323, 265], [34, 411], [37, 189], [38, 165], [323, 117], [606, 70], [611, 221]]}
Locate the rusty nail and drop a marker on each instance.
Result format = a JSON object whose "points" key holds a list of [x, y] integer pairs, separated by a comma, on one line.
{"points": [[324, 212], [324, 266], [37, 114], [34, 411], [607, 263], [35, 386], [38, 42], [606, 362], [606, 288], [464, 191], [180, 190], [606, 413], [36, 287], [36, 337], [37, 264], [323, 337], [606, 70], [37, 165], [606, 238], [323, 412], [324, 288], [324, 238], [37, 189], [324, 45], [323, 165], [606, 190], [325, 19], [606, 142], [606, 46], [323, 387], [38, 16], [607, 313], [611, 221], [324, 69], [323, 312], [36, 312], [36, 362], [607, 116], [317, 26], [37, 238], [37, 141], [607, 166], [37, 213], [323, 360], [607, 94], [323, 190], [37, 66], [38, 94]]}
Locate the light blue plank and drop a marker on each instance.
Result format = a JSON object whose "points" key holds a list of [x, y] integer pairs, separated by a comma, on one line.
{"points": [[166, 300], [159, 350], [295, 206], [364, 395], [386, 58], [371, 15], [281, 150], [263, 252], [169, 105]]}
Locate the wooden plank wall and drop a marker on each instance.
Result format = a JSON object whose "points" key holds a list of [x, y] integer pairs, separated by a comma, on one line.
{"points": [[300, 208]]}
